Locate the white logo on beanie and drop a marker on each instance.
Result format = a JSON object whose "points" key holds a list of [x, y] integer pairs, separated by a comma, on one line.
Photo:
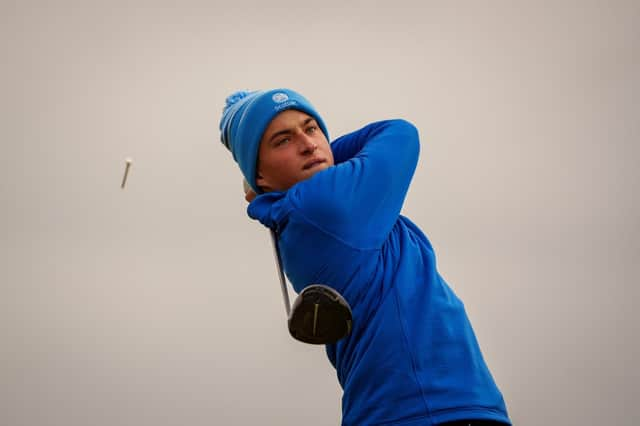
{"points": [[279, 97]]}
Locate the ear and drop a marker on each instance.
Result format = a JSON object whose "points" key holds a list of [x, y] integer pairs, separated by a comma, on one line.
{"points": [[262, 183]]}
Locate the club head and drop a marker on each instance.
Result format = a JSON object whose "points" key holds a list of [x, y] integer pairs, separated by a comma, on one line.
{"points": [[320, 316]]}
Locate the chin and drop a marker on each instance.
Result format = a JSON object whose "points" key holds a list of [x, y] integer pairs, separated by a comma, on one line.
{"points": [[321, 167], [315, 170]]}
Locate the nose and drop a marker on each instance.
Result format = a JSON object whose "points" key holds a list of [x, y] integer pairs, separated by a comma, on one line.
{"points": [[307, 144]]}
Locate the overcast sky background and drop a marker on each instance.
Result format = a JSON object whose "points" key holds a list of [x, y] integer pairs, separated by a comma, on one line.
{"points": [[159, 304]]}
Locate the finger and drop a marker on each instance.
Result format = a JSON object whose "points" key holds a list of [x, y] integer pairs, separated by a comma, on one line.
{"points": [[249, 196]]}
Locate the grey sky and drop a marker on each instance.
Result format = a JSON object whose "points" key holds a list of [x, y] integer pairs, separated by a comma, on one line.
{"points": [[159, 304]]}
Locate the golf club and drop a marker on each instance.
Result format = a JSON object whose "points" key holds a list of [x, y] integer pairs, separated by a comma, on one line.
{"points": [[320, 315]]}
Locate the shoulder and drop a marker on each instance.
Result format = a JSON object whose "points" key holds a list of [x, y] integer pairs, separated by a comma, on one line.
{"points": [[318, 197]]}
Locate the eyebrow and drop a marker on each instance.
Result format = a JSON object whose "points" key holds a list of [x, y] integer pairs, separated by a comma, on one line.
{"points": [[290, 130]]}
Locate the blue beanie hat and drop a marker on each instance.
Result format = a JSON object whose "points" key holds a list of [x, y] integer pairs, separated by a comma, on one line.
{"points": [[247, 115]]}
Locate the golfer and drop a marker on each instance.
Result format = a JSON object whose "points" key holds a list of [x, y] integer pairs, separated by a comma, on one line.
{"points": [[412, 357]]}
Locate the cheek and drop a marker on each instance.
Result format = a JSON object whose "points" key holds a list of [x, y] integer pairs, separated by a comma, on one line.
{"points": [[285, 159], [328, 153], [279, 163]]}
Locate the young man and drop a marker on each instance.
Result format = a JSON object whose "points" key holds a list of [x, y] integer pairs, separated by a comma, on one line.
{"points": [[412, 357]]}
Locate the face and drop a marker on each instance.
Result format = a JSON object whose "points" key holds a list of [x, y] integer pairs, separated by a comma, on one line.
{"points": [[293, 148]]}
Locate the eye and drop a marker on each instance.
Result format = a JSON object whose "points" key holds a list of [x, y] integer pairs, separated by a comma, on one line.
{"points": [[311, 129], [281, 141]]}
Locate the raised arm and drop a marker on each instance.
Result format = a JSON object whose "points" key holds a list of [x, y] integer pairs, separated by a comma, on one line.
{"points": [[359, 200]]}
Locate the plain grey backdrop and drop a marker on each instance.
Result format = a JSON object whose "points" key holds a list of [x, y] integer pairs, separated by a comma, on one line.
{"points": [[159, 304]]}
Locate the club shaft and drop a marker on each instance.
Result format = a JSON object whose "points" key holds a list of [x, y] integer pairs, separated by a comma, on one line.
{"points": [[283, 283]]}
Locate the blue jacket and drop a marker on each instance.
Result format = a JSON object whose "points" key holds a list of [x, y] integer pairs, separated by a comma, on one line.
{"points": [[412, 357]]}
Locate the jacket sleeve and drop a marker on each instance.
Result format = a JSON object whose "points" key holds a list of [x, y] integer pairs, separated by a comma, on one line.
{"points": [[359, 199]]}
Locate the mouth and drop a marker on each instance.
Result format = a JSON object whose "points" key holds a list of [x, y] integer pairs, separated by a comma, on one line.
{"points": [[313, 163]]}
